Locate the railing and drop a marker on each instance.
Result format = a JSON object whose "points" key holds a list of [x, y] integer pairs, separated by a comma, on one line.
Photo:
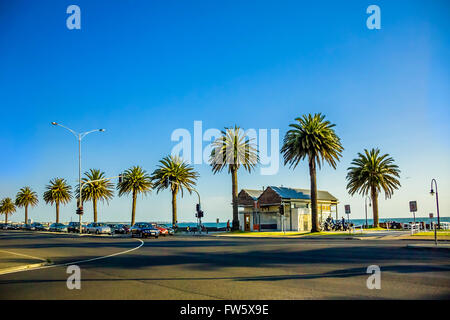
{"points": [[415, 227], [353, 229]]}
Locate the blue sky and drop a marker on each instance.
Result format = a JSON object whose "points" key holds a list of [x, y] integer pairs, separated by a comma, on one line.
{"points": [[142, 69]]}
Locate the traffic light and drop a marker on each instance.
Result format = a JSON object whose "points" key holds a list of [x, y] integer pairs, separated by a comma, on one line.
{"points": [[282, 210], [197, 207], [79, 210], [200, 214]]}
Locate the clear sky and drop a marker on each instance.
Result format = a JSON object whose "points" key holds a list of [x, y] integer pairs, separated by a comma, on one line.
{"points": [[142, 69]]}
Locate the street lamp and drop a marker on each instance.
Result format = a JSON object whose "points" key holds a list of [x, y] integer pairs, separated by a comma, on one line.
{"points": [[365, 202], [79, 137], [437, 200]]}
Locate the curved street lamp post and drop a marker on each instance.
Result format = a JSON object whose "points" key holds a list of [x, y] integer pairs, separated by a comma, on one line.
{"points": [[79, 137], [437, 200]]}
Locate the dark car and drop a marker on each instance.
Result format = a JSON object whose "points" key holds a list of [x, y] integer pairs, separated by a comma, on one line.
{"points": [[41, 227], [144, 230], [122, 229], [35, 226], [28, 227], [75, 227]]}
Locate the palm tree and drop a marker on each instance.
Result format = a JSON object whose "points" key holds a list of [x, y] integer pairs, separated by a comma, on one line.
{"points": [[314, 138], [58, 192], [175, 174], [134, 180], [26, 197], [7, 207], [373, 173], [233, 149], [94, 191]]}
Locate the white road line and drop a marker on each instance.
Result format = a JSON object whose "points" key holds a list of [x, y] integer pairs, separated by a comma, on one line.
{"points": [[23, 255], [80, 261]]}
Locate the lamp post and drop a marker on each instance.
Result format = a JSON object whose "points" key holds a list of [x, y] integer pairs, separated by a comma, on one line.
{"points": [[79, 137], [437, 201], [365, 202]]}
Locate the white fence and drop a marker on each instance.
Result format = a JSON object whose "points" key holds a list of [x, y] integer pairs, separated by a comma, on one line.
{"points": [[415, 227]]}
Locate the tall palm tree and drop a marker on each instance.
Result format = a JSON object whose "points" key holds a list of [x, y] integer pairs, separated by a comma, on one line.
{"points": [[7, 207], [233, 149], [94, 191], [134, 180], [175, 174], [312, 137], [58, 192], [373, 173], [26, 197]]}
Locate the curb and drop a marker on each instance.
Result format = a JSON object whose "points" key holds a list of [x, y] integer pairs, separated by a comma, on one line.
{"points": [[24, 267]]}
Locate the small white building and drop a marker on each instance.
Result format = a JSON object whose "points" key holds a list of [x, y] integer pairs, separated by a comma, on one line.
{"points": [[282, 208]]}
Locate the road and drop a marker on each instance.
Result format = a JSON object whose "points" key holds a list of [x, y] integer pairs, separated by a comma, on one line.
{"points": [[186, 267]]}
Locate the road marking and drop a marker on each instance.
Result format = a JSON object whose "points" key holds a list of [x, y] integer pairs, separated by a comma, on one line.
{"points": [[23, 255], [80, 261]]}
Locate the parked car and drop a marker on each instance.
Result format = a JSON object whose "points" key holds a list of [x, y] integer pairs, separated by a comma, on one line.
{"points": [[162, 230], [28, 227], [169, 229], [58, 227], [143, 230], [75, 227], [98, 228], [113, 226], [35, 226], [14, 227], [41, 227], [122, 228], [3, 226]]}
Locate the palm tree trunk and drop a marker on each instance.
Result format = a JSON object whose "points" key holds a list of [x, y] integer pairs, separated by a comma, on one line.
{"points": [[94, 203], [57, 212], [6, 218], [26, 214], [312, 175], [133, 209], [234, 185], [375, 207], [174, 207]]}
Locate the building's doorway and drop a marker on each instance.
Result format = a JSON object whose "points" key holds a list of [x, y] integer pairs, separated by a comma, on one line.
{"points": [[247, 222]]}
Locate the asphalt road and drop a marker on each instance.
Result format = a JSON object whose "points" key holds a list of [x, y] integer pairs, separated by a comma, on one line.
{"points": [[222, 268]]}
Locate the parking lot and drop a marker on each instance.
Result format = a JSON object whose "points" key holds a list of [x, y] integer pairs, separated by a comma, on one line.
{"points": [[187, 267]]}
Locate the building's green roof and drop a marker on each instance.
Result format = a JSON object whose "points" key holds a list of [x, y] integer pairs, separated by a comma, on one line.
{"points": [[293, 193]]}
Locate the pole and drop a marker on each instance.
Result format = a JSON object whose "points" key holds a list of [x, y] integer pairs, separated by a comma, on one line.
{"points": [[365, 202], [80, 204], [79, 137], [437, 201]]}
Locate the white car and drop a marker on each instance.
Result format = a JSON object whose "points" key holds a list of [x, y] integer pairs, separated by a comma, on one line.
{"points": [[98, 228]]}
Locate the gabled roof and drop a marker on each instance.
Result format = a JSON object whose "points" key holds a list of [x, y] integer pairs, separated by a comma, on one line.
{"points": [[253, 193], [293, 193]]}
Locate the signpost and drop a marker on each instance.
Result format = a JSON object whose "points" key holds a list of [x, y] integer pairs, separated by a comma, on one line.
{"points": [[435, 233], [347, 211], [413, 208]]}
